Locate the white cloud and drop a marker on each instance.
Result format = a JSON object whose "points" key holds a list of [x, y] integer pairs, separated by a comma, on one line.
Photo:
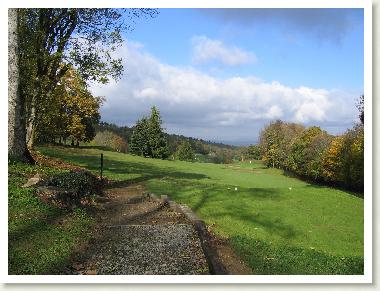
{"points": [[206, 50], [197, 104]]}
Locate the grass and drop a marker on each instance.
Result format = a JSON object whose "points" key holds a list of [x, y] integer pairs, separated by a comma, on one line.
{"points": [[276, 223], [41, 237]]}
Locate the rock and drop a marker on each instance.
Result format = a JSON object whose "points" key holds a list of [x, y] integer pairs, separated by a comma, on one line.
{"points": [[58, 196], [77, 266], [91, 272], [32, 181]]}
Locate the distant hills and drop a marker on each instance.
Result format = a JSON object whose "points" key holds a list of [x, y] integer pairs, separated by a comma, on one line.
{"points": [[207, 151]]}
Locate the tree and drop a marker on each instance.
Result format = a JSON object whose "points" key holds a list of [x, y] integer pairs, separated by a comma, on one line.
{"points": [[270, 140], [299, 158], [275, 143], [157, 141], [55, 39], [148, 138], [314, 155], [74, 112], [185, 152], [139, 144], [352, 157], [16, 136], [111, 140], [360, 106], [332, 161]]}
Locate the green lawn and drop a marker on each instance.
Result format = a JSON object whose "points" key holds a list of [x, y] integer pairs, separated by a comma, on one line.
{"points": [[41, 237], [308, 229]]}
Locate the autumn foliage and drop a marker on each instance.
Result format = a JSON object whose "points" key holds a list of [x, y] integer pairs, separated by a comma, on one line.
{"points": [[314, 154], [111, 140], [71, 112]]}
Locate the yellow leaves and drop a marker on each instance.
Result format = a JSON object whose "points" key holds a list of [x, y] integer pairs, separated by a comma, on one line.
{"points": [[71, 109], [332, 162]]}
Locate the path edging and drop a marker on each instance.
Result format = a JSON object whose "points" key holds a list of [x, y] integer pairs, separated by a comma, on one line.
{"points": [[215, 265]]}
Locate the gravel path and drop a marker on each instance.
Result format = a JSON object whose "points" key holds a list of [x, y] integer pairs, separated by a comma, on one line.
{"points": [[152, 249], [138, 235]]}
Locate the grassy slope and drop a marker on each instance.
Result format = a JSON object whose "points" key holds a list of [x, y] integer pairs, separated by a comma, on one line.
{"points": [[37, 243], [306, 230]]}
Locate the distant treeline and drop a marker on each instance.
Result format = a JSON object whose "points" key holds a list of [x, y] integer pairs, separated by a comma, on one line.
{"points": [[109, 134]]}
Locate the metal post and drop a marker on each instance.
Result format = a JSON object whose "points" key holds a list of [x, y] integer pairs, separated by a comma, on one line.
{"points": [[101, 167]]}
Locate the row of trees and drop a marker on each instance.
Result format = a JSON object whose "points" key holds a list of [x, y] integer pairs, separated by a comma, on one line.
{"points": [[44, 47], [314, 154]]}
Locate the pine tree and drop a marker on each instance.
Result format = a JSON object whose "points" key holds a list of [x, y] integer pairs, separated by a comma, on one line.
{"points": [[139, 143], [148, 138], [156, 137], [185, 152]]}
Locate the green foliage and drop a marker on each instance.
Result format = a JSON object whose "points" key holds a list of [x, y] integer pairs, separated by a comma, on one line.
{"points": [[148, 138], [37, 245], [300, 154], [306, 230], [352, 156], [139, 144], [275, 143], [253, 152], [82, 183], [185, 152], [53, 40], [157, 140]]}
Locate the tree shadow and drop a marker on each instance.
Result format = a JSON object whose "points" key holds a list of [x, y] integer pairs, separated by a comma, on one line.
{"points": [[238, 211], [265, 258], [143, 171]]}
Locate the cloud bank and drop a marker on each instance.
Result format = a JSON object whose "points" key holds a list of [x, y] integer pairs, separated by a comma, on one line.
{"points": [[196, 104]]}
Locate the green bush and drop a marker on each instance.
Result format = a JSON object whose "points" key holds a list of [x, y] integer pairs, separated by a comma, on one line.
{"points": [[82, 182]]}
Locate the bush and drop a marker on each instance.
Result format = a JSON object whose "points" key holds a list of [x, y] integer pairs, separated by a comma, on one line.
{"points": [[111, 140], [185, 152], [82, 183]]}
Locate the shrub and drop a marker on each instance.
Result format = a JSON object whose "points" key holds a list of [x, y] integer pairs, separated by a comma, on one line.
{"points": [[111, 140], [82, 183], [185, 152]]}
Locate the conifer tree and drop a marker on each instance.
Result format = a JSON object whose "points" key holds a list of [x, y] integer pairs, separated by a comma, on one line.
{"points": [[185, 152], [156, 137], [139, 143]]}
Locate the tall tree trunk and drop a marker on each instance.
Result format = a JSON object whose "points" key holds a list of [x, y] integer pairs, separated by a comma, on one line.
{"points": [[16, 112], [31, 128]]}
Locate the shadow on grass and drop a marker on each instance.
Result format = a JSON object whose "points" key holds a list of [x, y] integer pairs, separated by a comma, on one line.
{"points": [[231, 204], [323, 184], [144, 171], [265, 258]]}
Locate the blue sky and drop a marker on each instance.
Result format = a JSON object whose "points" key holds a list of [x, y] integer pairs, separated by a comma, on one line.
{"points": [[222, 74]]}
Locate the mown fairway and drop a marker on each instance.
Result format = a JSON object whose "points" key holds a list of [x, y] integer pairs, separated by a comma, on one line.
{"points": [[277, 224]]}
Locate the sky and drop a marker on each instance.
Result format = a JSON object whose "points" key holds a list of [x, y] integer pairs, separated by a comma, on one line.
{"points": [[223, 74]]}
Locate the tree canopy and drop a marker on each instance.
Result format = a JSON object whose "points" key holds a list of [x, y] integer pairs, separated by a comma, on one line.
{"points": [[148, 138], [52, 41], [185, 152]]}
